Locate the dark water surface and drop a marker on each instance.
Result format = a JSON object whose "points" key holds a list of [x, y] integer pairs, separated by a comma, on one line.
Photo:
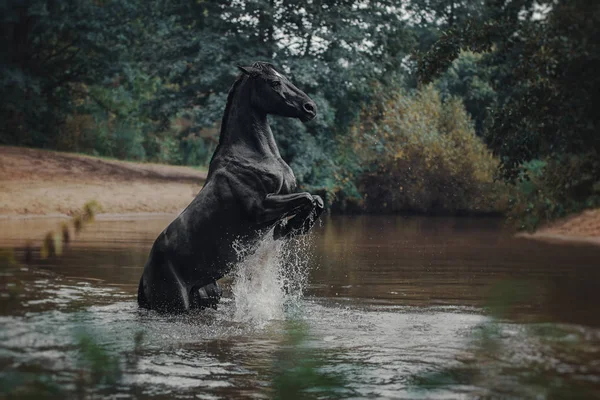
{"points": [[392, 307]]}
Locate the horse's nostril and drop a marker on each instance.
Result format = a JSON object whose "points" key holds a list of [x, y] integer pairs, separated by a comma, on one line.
{"points": [[309, 108]]}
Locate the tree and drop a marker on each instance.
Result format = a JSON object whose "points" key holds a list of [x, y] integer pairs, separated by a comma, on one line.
{"points": [[128, 71], [50, 49], [545, 56], [429, 18], [332, 49], [468, 75], [446, 13], [470, 78]]}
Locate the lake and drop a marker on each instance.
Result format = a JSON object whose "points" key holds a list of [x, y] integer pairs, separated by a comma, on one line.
{"points": [[364, 307]]}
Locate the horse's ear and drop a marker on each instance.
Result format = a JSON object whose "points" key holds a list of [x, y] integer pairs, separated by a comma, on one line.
{"points": [[250, 71]]}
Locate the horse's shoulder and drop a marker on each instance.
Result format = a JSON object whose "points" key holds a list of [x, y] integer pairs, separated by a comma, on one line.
{"points": [[220, 186], [272, 175], [234, 173]]}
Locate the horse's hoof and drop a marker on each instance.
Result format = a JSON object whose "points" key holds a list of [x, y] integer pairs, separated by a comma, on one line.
{"points": [[318, 201], [207, 296]]}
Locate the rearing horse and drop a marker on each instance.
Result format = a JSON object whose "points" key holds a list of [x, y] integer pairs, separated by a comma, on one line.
{"points": [[249, 190]]}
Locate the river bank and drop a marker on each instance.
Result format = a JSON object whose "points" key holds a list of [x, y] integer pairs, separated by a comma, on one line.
{"points": [[37, 182]]}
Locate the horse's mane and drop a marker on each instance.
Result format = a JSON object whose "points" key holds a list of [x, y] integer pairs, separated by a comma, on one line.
{"points": [[233, 89], [263, 66]]}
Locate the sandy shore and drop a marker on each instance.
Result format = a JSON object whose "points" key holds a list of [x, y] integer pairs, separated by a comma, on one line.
{"points": [[581, 228], [46, 183]]}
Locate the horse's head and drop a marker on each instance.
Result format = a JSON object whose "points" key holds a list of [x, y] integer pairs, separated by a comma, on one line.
{"points": [[273, 93]]}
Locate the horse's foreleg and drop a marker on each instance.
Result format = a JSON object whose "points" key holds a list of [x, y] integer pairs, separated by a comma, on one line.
{"points": [[300, 223], [271, 208], [277, 206]]}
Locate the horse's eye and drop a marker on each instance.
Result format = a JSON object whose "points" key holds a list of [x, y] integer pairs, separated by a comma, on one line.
{"points": [[275, 84]]}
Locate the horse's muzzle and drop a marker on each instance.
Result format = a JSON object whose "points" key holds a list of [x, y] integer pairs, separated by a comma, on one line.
{"points": [[310, 111]]}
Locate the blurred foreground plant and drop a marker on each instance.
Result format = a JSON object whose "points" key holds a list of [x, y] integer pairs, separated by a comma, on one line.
{"points": [[300, 371], [96, 370], [55, 240], [503, 361], [52, 245]]}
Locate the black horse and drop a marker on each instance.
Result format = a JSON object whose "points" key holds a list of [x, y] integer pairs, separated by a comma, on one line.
{"points": [[248, 191]]}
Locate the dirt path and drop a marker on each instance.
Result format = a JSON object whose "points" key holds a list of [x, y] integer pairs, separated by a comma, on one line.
{"points": [[40, 182]]}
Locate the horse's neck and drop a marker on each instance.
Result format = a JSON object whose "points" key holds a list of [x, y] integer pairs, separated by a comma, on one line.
{"points": [[247, 132]]}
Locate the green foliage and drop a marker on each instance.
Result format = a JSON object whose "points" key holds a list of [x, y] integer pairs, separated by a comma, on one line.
{"points": [[300, 372], [29, 385], [97, 366], [549, 111], [554, 188], [445, 13], [147, 80], [331, 49], [425, 157], [543, 57], [49, 49], [94, 367], [158, 62], [430, 18], [468, 79], [491, 352]]}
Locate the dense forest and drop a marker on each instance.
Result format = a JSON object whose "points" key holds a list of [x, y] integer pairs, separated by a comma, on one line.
{"points": [[438, 106]]}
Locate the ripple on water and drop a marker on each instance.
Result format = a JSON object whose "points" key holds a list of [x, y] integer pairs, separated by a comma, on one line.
{"points": [[377, 350], [266, 335]]}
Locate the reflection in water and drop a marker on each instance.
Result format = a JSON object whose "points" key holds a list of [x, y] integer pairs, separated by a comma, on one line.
{"points": [[454, 261], [395, 307]]}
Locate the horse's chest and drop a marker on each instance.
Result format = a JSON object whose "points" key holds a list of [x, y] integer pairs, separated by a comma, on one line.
{"points": [[289, 180], [281, 179]]}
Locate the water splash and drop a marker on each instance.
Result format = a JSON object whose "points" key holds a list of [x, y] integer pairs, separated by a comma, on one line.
{"points": [[270, 278]]}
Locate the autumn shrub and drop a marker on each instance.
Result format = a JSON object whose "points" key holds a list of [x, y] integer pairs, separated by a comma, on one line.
{"points": [[423, 155]]}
